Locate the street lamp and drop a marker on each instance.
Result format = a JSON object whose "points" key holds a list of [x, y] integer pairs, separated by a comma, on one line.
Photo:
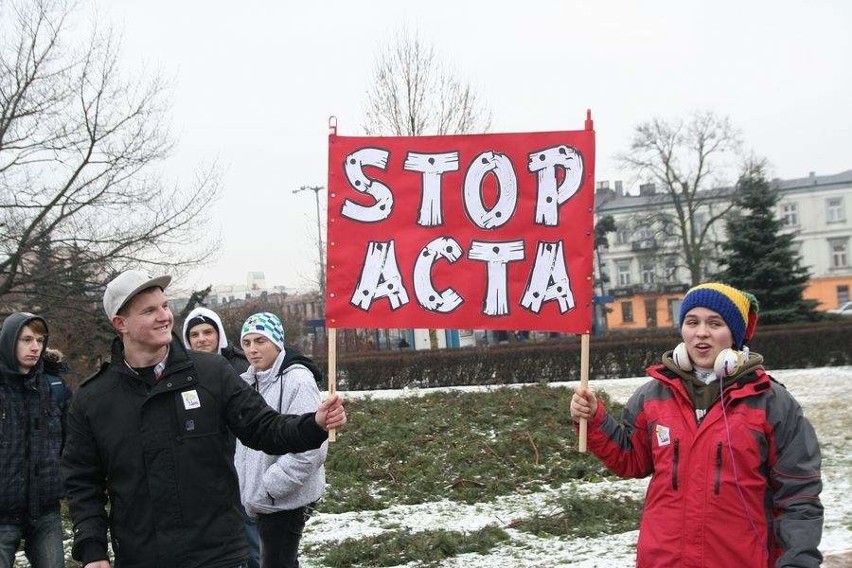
{"points": [[316, 189]]}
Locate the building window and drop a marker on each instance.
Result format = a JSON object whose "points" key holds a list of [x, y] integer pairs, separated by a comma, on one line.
{"points": [[651, 312], [673, 309], [839, 253], [643, 233], [622, 234], [669, 227], [623, 269], [671, 268], [834, 210], [627, 312], [604, 268], [699, 221], [842, 294], [649, 272], [790, 214]]}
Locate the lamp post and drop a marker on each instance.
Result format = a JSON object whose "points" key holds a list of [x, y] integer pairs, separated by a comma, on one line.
{"points": [[316, 189]]}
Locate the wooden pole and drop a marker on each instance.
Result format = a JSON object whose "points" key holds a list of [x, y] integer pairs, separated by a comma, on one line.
{"points": [[584, 382], [332, 372]]}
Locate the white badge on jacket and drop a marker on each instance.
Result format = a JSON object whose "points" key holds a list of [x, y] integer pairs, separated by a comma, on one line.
{"points": [[663, 437], [190, 399]]}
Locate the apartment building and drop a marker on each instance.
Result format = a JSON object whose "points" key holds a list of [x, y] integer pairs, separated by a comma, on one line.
{"points": [[645, 273]]}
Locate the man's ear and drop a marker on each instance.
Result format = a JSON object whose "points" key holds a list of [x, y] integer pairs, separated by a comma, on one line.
{"points": [[119, 324]]}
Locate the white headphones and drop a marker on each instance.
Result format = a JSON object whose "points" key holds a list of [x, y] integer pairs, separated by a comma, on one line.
{"points": [[728, 361]]}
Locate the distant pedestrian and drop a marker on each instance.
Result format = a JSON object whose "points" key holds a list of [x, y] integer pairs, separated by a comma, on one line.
{"points": [[734, 464], [55, 370]]}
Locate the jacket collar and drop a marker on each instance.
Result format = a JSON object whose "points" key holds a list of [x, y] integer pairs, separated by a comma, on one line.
{"points": [[750, 380], [273, 373], [176, 358]]}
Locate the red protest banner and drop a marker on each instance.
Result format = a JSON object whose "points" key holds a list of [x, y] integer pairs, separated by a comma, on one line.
{"points": [[491, 231]]}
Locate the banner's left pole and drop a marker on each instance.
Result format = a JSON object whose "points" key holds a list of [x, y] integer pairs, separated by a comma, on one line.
{"points": [[332, 331], [332, 373], [584, 382]]}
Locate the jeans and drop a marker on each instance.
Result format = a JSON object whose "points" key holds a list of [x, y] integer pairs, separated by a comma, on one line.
{"points": [[280, 534], [42, 542], [253, 540]]}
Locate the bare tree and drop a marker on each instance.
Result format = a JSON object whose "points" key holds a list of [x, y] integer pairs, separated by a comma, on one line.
{"points": [[80, 152], [414, 93], [689, 161]]}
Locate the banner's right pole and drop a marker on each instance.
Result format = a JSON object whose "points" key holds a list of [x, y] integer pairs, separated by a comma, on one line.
{"points": [[584, 382], [332, 372], [584, 342]]}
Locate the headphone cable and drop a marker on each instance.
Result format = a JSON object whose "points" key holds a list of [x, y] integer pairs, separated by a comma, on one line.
{"points": [[733, 460]]}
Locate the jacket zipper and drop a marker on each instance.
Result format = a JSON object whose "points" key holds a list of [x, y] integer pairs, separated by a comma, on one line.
{"points": [[718, 481], [675, 464]]}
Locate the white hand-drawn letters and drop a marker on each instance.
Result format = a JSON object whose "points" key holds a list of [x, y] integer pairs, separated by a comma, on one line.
{"points": [[559, 175]]}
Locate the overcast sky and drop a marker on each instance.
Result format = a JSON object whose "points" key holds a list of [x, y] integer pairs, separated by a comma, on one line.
{"points": [[254, 84]]}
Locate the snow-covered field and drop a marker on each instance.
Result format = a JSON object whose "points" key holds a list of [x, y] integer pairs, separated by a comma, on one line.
{"points": [[824, 393]]}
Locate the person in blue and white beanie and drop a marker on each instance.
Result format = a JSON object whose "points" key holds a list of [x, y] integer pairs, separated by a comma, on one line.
{"points": [[279, 490]]}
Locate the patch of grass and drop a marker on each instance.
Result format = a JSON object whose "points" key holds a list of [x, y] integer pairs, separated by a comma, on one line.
{"points": [[466, 447], [428, 548], [575, 515]]}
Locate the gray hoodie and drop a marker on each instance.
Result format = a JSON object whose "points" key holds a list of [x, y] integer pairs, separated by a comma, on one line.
{"points": [[269, 484]]}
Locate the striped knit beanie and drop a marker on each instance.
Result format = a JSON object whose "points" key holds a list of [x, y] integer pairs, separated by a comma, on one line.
{"points": [[266, 324], [738, 309]]}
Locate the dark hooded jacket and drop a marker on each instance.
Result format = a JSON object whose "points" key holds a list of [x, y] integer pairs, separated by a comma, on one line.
{"points": [[30, 433], [160, 452], [234, 355]]}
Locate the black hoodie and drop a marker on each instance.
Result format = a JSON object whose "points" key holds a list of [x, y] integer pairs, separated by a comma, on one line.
{"points": [[30, 433]]}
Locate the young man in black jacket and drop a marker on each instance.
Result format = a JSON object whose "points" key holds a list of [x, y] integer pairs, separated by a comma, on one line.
{"points": [[150, 433], [30, 441]]}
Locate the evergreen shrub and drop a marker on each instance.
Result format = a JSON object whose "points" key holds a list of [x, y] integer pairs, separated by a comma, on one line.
{"points": [[791, 346]]}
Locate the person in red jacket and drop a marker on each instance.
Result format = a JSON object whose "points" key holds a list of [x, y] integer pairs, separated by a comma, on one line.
{"points": [[734, 464]]}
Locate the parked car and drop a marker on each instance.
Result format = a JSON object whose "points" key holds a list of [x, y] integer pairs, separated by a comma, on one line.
{"points": [[844, 309]]}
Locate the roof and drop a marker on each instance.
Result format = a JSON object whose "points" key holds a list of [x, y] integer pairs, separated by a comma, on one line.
{"points": [[617, 202]]}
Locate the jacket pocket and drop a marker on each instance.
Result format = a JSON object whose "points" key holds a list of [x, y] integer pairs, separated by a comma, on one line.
{"points": [[675, 463], [717, 480], [197, 413], [4, 417]]}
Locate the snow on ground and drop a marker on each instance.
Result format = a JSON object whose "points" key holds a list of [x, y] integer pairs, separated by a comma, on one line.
{"points": [[824, 393]]}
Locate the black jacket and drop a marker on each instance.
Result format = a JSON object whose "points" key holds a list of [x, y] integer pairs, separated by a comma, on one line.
{"points": [[160, 453], [236, 358], [54, 376], [30, 434]]}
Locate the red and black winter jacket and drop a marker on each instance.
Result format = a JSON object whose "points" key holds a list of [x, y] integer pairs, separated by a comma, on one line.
{"points": [[741, 486]]}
